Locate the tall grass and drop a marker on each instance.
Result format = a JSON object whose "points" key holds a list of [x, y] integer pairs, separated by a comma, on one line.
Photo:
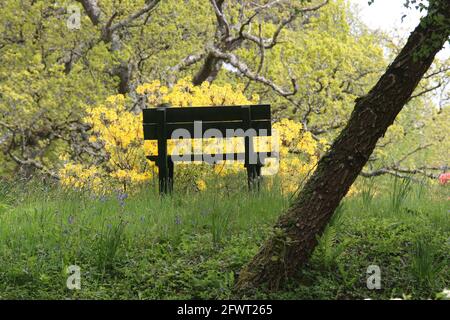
{"points": [[367, 192], [401, 188], [209, 235], [426, 265], [77, 224], [108, 243]]}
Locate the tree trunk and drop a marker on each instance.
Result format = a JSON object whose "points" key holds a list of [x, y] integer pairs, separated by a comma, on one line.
{"points": [[296, 232], [208, 71]]}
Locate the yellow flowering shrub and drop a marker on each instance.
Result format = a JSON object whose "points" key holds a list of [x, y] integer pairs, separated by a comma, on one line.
{"points": [[119, 132], [184, 94], [299, 153], [201, 184]]}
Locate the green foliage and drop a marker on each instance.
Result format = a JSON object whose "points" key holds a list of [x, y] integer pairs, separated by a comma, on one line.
{"points": [[328, 248], [108, 243], [426, 264], [51, 75], [193, 246], [400, 190], [367, 192]]}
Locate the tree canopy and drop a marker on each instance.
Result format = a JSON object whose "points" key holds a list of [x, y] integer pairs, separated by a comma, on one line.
{"points": [[309, 59]]}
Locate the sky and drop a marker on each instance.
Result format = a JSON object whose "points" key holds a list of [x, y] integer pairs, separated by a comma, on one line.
{"points": [[387, 15]]}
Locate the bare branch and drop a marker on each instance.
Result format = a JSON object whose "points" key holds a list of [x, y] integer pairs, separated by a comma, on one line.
{"points": [[108, 30], [281, 26], [7, 126], [245, 70], [261, 60], [34, 163], [150, 5], [221, 19], [188, 61], [270, 43], [257, 11], [400, 172], [383, 171], [409, 154], [92, 10], [319, 131], [435, 73], [425, 91]]}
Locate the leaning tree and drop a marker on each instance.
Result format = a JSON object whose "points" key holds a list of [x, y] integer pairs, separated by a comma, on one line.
{"points": [[296, 232]]}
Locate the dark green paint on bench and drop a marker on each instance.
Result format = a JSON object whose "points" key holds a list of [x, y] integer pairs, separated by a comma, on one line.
{"points": [[160, 123]]}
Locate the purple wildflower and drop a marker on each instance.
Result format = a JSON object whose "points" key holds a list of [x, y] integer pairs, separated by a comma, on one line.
{"points": [[122, 197]]}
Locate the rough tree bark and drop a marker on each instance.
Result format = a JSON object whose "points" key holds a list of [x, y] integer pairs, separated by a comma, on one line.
{"points": [[208, 72], [295, 234]]}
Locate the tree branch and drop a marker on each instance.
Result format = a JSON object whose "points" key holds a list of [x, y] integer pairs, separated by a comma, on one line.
{"points": [[270, 43], [425, 91], [187, 61], [400, 172], [221, 19], [92, 10], [150, 5], [34, 163], [245, 70]]}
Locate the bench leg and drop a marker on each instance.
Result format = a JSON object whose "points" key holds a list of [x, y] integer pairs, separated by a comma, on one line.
{"points": [[166, 177], [170, 165], [253, 177], [163, 158], [162, 176]]}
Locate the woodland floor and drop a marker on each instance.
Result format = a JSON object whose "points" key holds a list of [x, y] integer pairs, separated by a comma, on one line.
{"points": [[193, 244]]}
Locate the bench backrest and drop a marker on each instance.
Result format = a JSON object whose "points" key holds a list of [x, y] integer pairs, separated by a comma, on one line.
{"points": [[162, 122], [245, 121]]}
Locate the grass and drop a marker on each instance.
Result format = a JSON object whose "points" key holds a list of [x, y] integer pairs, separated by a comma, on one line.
{"points": [[193, 244]]}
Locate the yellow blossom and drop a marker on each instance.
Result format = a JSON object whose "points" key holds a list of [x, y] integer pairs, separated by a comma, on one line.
{"points": [[201, 184], [120, 133]]}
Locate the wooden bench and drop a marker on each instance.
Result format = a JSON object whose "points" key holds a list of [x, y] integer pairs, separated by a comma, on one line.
{"points": [[161, 122]]}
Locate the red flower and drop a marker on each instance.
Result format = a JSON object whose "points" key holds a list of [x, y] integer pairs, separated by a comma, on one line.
{"points": [[444, 178]]}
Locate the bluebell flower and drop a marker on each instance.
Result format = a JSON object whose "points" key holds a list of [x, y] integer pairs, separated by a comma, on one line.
{"points": [[122, 197]]}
